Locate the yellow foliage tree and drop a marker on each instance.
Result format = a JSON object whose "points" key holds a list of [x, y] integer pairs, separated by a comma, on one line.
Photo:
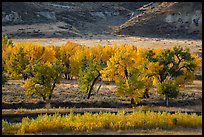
{"points": [[65, 52], [125, 68]]}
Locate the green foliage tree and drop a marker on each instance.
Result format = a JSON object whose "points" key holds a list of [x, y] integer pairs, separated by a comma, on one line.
{"points": [[169, 88], [7, 46], [17, 63], [43, 78], [169, 68], [89, 74], [4, 79], [6, 41]]}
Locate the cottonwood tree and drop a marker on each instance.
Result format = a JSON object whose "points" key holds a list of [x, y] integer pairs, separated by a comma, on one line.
{"points": [[7, 46], [17, 63], [171, 68], [125, 68], [66, 51], [89, 74], [43, 78]]}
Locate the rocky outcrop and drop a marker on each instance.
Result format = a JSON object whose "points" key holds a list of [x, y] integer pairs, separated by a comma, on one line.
{"points": [[11, 17], [189, 21]]}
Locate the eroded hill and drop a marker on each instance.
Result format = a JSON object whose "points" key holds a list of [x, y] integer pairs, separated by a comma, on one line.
{"points": [[165, 19], [64, 19], [89, 19]]}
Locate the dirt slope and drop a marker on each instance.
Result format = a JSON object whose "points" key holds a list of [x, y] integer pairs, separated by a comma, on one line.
{"points": [[165, 19]]}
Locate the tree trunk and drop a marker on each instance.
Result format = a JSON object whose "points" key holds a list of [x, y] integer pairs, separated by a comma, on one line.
{"points": [[90, 90], [44, 98], [51, 91], [48, 105], [87, 90], [24, 77], [65, 76], [132, 101], [146, 95], [68, 77], [50, 96], [167, 100], [99, 86], [89, 94]]}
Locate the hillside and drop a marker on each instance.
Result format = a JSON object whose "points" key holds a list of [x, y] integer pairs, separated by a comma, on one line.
{"points": [[165, 19], [90, 19], [64, 19]]}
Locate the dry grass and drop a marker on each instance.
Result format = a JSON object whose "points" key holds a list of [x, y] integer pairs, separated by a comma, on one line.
{"points": [[194, 45], [181, 131], [68, 96]]}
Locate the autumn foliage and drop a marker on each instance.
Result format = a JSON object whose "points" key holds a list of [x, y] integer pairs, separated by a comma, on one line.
{"points": [[133, 69], [89, 122]]}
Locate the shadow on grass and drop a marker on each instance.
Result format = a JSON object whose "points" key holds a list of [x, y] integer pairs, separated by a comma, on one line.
{"points": [[57, 104], [101, 104]]}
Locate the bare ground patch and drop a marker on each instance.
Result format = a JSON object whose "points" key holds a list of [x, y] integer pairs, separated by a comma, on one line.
{"points": [[68, 94]]}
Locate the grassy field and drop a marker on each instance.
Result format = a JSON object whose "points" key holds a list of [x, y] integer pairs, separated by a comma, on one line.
{"points": [[145, 42]]}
